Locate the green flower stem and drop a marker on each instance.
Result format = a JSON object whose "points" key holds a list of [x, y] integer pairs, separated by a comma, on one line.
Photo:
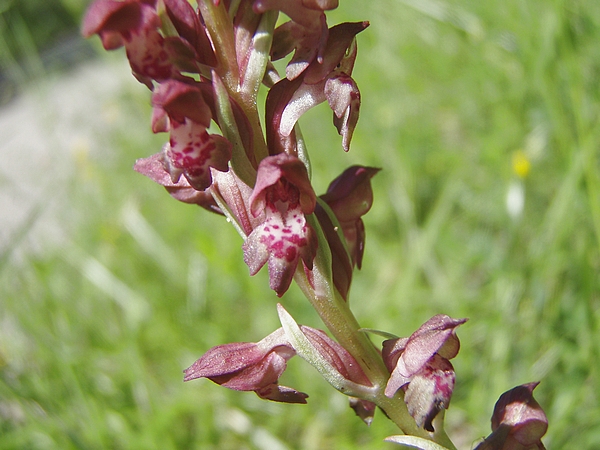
{"points": [[396, 410], [338, 318], [239, 160], [219, 26], [260, 146], [440, 435]]}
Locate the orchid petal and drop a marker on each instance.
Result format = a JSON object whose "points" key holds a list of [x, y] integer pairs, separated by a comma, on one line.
{"points": [[344, 99], [427, 340], [110, 16]]}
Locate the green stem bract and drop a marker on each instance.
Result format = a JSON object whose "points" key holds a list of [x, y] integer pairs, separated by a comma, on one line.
{"points": [[259, 56], [307, 351], [252, 79]]}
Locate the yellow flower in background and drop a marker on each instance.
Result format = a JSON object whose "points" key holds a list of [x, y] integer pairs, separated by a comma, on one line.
{"points": [[520, 164]]}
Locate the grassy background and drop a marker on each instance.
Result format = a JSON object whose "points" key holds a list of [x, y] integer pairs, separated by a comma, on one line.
{"points": [[94, 334]]}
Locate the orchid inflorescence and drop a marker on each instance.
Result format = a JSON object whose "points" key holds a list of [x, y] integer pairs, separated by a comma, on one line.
{"points": [[205, 67]]}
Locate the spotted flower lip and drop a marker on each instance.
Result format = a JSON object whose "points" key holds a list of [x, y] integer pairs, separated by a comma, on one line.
{"points": [[420, 365], [284, 194]]}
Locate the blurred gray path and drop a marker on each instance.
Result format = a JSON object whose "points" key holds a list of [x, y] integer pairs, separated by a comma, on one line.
{"points": [[42, 133]]}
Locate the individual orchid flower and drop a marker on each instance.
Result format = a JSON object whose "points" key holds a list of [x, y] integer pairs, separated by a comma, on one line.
{"points": [[420, 365], [248, 366], [180, 108], [284, 195], [185, 109], [349, 197], [328, 80], [518, 421], [136, 25]]}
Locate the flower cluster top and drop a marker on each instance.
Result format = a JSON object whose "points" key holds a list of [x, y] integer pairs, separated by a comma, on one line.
{"points": [[205, 67]]}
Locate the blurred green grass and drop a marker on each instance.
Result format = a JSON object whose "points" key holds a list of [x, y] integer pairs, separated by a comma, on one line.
{"points": [[36, 38], [94, 335]]}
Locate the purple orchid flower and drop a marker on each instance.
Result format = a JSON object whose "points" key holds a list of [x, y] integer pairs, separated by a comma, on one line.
{"points": [[518, 421], [284, 195], [420, 365], [136, 25], [328, 80], [349, 196], [180, 107], [248, 366]]}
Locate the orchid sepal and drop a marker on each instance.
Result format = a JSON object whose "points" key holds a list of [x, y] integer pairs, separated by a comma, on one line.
{"points": [[154, 168], [227, 212]]}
